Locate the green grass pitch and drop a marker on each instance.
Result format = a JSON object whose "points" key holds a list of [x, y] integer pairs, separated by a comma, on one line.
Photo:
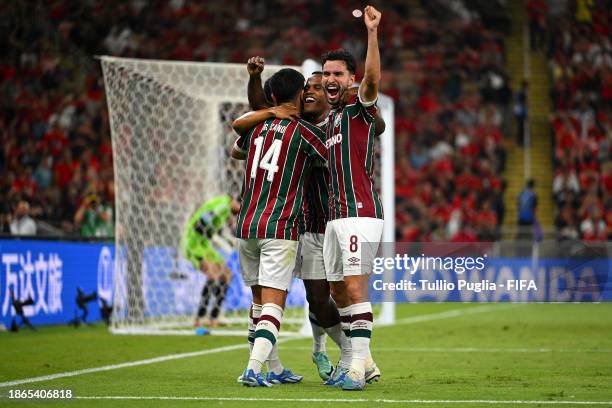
{"points": [[438, 355]]}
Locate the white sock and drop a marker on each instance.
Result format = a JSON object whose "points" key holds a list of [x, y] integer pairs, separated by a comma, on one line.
{"points": [[266, 333], [253, 319], [346, 350], [274, 363], [318, 334], [338, 336], [361, 332]]}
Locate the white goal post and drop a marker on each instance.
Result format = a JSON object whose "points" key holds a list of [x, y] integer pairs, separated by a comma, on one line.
{"points": [[171, 135]]}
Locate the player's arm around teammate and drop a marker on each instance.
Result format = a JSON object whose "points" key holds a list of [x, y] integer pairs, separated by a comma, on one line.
{"points": [[247, 121], [278, 152]]}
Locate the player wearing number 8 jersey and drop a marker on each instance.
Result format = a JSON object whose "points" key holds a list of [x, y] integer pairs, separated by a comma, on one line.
{"points": [[278, 153], [350, 138], [355, 228]]}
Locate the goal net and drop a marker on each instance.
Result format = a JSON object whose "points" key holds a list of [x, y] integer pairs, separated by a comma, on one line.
{"points": [[171, 136]]}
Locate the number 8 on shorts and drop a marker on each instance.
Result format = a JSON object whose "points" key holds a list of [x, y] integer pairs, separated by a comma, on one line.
{"points": [[350, 246]]}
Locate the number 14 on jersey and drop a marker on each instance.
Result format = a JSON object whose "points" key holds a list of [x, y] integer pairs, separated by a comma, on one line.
{"points": [[269, 159]]}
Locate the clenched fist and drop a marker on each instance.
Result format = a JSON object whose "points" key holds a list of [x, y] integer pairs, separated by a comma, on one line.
{"points": [[255, 65], [371, 17]]}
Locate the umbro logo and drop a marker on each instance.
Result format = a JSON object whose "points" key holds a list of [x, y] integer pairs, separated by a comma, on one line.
{"points": [[354, 261]]}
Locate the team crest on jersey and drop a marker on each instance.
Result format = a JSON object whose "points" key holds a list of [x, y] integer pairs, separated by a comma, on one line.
{"points": [[337, 119]]}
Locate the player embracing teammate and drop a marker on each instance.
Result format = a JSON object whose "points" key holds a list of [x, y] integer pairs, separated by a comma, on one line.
{"points": [[277, 154], [341, 194]]}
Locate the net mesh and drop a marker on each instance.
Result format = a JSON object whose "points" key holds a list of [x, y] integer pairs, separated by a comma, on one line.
{"points": [[171, 133]]}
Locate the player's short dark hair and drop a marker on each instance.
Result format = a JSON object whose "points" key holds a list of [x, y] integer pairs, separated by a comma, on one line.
{"points": [[340, 55], [286, 84], [313, 74]]}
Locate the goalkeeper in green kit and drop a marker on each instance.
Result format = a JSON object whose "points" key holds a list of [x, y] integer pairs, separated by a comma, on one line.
{"points": [[202, 234]]}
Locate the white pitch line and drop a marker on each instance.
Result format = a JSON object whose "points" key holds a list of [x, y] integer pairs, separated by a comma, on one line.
{"points": [[475, 350], [349, 400], [409, 320], [452, 313], [124, 365]]}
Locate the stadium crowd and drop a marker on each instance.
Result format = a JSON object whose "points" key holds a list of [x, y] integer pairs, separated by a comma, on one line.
{"points": [[442, 65], [581, 121]]}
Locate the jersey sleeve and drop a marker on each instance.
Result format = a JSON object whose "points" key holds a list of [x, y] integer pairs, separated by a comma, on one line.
{"points": [[313, 140], [242, 143], [367, 109]]}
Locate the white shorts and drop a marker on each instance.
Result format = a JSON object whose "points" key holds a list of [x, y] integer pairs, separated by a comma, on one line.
{"points": [[310, 265], [267, 262], [350, 246]]}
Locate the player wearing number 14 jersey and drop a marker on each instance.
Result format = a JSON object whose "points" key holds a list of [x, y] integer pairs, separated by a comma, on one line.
{"points": [[278, 152]]}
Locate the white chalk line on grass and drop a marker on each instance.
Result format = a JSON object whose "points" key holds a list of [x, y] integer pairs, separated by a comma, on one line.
{"points": [[350, 400], [475, 350], [454, 313], [124, 365], [410, 320]]}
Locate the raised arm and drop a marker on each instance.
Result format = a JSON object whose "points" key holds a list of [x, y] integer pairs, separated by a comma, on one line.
{"points": [[257, 98], [368, 90], [249, 120]]}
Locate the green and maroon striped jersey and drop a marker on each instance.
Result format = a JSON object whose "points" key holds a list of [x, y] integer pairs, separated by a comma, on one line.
{"points": [[316, 200], [278, 155], [316, 196], [350, 143]]}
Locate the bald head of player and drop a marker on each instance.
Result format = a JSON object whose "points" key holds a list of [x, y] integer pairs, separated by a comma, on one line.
{"points": [[338, 75], [287, 86], [315, 108]]}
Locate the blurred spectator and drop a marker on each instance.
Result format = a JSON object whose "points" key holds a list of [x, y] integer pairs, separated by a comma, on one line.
{"points": [[566, 224], [527, 204], [594, 228], [581, 120], [583, 11], [565, 180], [22, 223], [521, 112], [536, 13], [94, 218]]}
